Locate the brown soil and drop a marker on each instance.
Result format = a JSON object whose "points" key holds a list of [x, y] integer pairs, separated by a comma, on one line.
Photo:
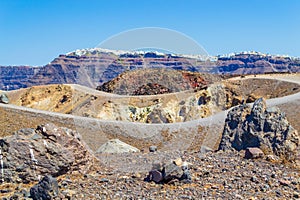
{"points": [[249, 90]]}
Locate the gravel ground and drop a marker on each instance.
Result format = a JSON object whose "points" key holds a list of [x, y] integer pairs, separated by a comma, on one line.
{"points": [[215, 176]]}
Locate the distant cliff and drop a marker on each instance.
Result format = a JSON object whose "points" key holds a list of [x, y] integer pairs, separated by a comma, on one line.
{"points": [[93, 67], [257, 63], [14, 77]]}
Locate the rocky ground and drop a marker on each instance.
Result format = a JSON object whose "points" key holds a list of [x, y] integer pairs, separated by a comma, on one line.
{"points": [[214, 176]]}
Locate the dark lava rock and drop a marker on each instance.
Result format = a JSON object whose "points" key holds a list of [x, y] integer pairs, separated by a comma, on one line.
{"points": [[265, 128], [48, 150], [175, 170], [46, 189], [155, 176]]}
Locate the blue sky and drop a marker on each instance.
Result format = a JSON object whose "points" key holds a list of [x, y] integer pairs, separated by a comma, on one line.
{"points": [[33, 32]]}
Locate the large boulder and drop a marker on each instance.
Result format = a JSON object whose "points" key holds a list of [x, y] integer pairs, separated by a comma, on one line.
{"points": [[262, 127], [30, 154]]}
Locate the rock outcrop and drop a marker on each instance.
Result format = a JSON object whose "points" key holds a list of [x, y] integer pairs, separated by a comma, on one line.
{"points": [[30, 154], [262, 127]]}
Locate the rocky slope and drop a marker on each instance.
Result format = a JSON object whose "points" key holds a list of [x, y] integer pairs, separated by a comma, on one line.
{"points": [[157, 81], [95, 66], [168, 108]]}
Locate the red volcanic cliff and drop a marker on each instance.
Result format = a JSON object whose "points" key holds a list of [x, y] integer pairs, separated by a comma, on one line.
{"points": [[96, 66]]}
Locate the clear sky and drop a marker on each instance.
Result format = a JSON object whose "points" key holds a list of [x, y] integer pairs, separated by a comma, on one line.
{"points": [[33, 32]]}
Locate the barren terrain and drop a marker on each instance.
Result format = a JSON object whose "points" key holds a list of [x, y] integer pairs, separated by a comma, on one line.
{"points": [[217, 175], [96, 131]]}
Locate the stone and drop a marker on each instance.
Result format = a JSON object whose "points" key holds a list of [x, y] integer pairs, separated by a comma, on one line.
{"points": [[155, 176], [4, 99], [272, 158], [116, 146], [65, 183], [68, 193], [253, 152], [205, 149], [254, 179], [25, 193], [261, 127], [278, 193], [30, 154], [103, 180], [136, 175], [296, 195], [153, 148], [284, 182], [178, 162], [5, 191], [186, 176], [46, 189], [171, 171], [177, 170]]}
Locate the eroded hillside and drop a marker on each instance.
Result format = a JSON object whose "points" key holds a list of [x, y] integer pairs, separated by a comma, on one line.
{"points": [[157, 81], [164, 108]]}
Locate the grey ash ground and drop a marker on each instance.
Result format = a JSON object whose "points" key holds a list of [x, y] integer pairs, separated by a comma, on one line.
{"points": [[217, 175]]}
